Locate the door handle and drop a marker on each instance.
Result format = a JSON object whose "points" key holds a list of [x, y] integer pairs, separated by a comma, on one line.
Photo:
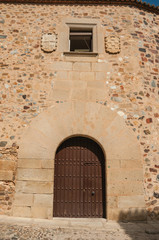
{"points": [[93, 193]]}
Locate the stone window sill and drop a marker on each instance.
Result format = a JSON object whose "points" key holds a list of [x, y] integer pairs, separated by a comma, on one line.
{"points": [[86, 54]]}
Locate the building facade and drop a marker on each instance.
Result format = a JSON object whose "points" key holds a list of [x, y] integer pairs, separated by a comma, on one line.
{"points": [[79, 109]]}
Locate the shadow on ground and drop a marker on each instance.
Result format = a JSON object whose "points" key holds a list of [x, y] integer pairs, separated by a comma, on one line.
{"points": [[139, 224], [16, 228]]}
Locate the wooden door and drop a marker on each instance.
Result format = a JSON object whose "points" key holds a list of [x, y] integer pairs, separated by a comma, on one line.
{"points": [[79, 182]]}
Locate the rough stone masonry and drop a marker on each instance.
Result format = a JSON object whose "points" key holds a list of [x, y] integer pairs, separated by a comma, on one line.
{"points": [[123, 76]]}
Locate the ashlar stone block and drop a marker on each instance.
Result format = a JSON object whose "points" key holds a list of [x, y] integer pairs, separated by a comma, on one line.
{"points": [[40, 212], [74, 75], [29, 163], [125, 188], [60, 94], [131, 201], [62, 75], [100, 67], [45, 200], [115, 175], [46, 163], [65, 66], [34, 187], [21, 211], [35, 174], [22, 199], [87, 76], [82, 66]]}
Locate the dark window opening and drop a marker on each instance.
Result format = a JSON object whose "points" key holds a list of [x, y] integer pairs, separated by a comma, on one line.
{"points": [[80, 40]]}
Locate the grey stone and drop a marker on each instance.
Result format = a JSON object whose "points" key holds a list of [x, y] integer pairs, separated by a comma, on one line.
{"points": [[147, 160], [14, 52], [149, 108], [117, 99], [156, 195], [3, 143], [142, 49], [12, 137], [3, 36], [2, 21], [153, 83]]}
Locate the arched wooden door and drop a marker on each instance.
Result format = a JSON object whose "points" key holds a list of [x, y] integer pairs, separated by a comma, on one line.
{"points": [[79, 182]]}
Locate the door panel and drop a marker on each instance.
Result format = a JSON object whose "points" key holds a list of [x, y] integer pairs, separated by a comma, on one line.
{"points": [[79, 182]]}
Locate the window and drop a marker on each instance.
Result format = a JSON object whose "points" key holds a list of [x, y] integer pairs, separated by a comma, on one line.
{"points": [[80, 37], [80, 40]]}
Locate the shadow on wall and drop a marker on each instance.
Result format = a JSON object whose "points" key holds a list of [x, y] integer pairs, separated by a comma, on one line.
{"points": [[139, 224], [132, 215], [135, 214]]}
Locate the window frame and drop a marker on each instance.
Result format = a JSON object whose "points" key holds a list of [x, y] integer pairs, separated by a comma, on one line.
{"points": [[84, 26], [97, 34]]}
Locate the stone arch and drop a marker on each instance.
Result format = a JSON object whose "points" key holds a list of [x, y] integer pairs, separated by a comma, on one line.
{"points": [[41, 139]]}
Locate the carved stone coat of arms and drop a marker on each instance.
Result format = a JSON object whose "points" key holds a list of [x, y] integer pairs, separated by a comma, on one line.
{"points": [[49, 42], [112, 44]]}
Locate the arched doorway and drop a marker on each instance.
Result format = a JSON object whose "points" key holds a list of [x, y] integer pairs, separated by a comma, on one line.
{"points": [[79, 179], [38, 147]]}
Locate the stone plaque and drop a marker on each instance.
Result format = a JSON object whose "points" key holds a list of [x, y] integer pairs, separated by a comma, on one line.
{"points": [[112, 44], [49, 42]]}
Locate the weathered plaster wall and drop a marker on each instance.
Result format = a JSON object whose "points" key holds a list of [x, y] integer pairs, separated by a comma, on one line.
{"points": [[31, 81]]}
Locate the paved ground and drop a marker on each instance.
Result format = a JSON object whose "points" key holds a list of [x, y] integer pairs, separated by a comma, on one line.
{"points": [[75, 229]]}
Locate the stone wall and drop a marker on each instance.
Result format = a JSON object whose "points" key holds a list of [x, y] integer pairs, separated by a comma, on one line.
{"points": [[32, 81]]}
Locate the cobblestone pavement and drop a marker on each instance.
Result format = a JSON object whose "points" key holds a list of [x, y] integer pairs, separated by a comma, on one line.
{"points": [[22, 229]]}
